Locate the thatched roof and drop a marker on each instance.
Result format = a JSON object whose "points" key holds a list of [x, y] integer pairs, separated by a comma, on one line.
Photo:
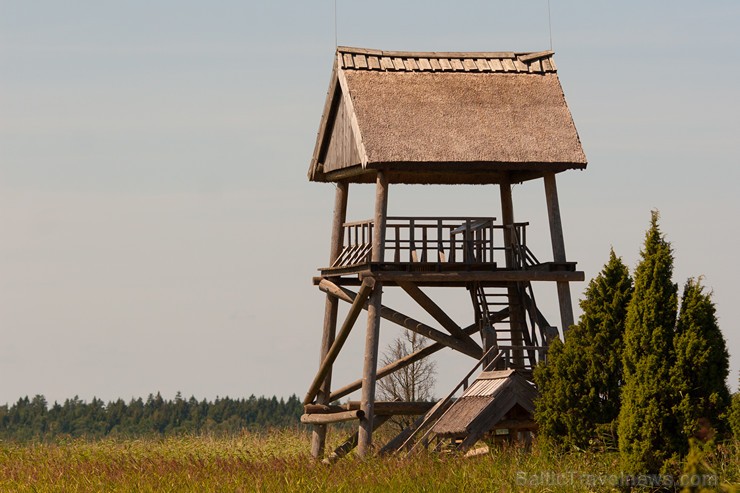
{"points": [[444, 118], [488, 399]]}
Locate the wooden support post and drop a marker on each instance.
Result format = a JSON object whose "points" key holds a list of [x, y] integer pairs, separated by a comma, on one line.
{"points": [[516, 315], [367, 287], [318, 436], [507, 219], [558, 248], [372, 339]]}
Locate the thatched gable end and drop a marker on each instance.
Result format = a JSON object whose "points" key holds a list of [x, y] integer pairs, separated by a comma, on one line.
{"points": [[444, 118]]}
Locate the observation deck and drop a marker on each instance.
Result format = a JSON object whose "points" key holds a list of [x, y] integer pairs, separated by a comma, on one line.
{"points": [[449, 251]]}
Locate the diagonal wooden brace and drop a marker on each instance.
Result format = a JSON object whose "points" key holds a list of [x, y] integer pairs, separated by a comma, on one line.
{"points": [[439, 315], [404, 321], [397, 365], [368, 284]]}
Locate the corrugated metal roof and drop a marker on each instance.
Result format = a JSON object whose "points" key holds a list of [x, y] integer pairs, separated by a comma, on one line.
{"points": [[492, 394]]}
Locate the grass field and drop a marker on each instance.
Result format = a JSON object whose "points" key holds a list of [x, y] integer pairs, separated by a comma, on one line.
{"points": [[279, 461]]}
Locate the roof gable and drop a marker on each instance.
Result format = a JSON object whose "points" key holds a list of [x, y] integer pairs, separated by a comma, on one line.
{"points": [[444, 117]]}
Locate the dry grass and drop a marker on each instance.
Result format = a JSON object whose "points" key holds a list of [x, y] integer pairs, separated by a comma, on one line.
{"points": [[279, 461]]}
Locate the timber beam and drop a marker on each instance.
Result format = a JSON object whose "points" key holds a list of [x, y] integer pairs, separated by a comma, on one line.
{"points": [[365, 290], [397, 365], [382, 408], [439, 314], [328, 418], [404, 321]]}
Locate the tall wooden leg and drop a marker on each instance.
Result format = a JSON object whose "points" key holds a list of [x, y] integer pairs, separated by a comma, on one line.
{"points": [[558, 248], [516, 317], [369, 373], [372, 340], [318, 437]]}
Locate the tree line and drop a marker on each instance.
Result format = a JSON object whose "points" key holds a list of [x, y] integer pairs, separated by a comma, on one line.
{"points": [[31, 419], [640, 371]]}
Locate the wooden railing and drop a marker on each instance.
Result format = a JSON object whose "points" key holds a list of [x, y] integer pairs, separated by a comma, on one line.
{"points": [[466, 240]]}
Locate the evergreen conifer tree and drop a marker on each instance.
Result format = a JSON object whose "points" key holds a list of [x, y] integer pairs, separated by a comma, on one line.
{"points": [[702, 365], [647, 427], [580, 384]]}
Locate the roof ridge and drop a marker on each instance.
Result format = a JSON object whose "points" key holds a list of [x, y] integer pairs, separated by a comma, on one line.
{"points": [[433, 61]]}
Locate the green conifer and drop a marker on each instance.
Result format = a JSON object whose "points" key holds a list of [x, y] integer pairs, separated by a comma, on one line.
{"points": [[702, 365], [647, 428], [580, 384]]}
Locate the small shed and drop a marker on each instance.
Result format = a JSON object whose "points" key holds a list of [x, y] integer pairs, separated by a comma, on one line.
{"points": [[496, 402]]}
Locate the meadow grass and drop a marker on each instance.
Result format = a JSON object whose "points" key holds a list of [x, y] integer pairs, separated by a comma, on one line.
{"points": [[279, 461]]}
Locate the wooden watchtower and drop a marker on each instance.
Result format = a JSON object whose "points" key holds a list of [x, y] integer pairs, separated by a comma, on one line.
{"points": [[439, 118]]}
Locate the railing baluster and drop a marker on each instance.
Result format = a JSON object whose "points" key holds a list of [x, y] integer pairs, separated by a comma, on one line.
{"points": [[453, 246], [412, 246], [424, 243], [440, 246]]}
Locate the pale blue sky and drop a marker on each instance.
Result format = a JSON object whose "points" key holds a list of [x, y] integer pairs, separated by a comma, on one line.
{"points": [[158, 230]]}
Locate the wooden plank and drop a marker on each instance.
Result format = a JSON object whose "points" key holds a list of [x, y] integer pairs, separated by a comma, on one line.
{"points": [[439, 315], [365, 290], [398, 365], [553, 67], [386, 63], [535, 67], [508, 65], [353, 118], [424, 64], [410, 64], [348, 61], [331, 105], [360, 61], [434, 63], [328, 418], [373, 62], [482, 65], [362, 51], [431, 54], [398, 64], [456, 64], [546, 67], [521, 66], [496, 65], [481, 276], [445, 64], [469, 65], [528, 57]]}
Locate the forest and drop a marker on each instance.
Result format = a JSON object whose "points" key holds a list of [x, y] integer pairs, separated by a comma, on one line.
{"points": [[34, 419]]}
